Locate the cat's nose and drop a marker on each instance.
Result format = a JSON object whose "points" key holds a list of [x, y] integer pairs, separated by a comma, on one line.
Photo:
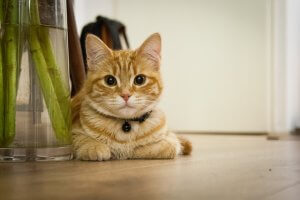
{"points": [[125, 97]]}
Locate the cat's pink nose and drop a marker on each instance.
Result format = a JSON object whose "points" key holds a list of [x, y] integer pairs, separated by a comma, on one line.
{"points": [[125, 97]]}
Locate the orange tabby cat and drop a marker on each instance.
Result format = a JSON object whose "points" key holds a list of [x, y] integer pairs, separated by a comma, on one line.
{"points": [[114, 116]]}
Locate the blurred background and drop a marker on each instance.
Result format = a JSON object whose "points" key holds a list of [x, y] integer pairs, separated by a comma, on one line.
{"points": [[229, 66]]}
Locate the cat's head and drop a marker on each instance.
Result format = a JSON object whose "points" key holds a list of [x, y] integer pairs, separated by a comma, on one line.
{"points": [[125, 83]]}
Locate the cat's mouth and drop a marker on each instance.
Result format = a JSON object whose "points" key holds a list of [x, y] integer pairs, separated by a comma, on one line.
{"points": [[127, 111], [126, 106]]}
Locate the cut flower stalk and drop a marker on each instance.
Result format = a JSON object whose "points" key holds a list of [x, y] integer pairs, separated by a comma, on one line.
{"points": [[59, 84], [60, 87], [51, 82], [1, 77], [56, 116], [54, 89], [10, 64]]}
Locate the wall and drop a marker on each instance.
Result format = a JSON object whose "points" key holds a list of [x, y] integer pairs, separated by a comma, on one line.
{"points": [[86, 11], [293, 63], [228, 65], [278, 102], [286, 66], [214, 60]]}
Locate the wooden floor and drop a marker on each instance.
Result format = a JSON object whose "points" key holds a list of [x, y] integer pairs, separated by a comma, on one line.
{"points": [[221, 167]]}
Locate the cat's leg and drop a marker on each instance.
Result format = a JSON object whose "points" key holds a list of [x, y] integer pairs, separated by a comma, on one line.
{"points": [[87, 148], [167, 148]]}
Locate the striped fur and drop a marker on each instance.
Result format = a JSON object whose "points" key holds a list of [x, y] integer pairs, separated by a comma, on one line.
{"points": [[99, 137]]}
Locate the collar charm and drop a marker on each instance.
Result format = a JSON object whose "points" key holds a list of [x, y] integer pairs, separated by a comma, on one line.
{"points": [[126, 127]]}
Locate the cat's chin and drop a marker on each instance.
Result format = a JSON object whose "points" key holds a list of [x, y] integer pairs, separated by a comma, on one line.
{"points": [[127, 112]]}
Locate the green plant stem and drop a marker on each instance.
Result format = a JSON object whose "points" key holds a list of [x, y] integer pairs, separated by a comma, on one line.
{"points": [[1, 10], [10, 44], [56, 116], [59, 84], [44, 60], [1, 79], [60, 87]]}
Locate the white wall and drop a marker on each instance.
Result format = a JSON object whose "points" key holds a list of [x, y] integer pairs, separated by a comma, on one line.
{"points": [[286, 66], [86, 11], [278, 73], [228, 65], [293, 62], [214, 60]]}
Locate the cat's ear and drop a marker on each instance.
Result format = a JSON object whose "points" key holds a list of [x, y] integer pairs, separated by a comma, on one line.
{"points": [[151, 49], [96, 51]]}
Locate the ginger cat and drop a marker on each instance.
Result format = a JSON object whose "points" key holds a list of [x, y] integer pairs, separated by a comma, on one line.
{"points": [[114, 116]]}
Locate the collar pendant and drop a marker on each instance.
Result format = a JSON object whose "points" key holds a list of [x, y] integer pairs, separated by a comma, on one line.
{"points": [[126, 127]]}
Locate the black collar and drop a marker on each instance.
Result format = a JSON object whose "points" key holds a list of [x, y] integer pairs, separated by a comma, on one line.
{"points": [[140, 119], [126, 127]]}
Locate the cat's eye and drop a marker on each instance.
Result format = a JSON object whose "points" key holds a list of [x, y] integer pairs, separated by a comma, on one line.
{"points": [[110, 80], [139, 79]]}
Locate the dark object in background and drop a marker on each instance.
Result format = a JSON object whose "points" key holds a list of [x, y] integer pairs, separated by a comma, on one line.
{"points": [[109, 31], [49, 8], [77, 71]]}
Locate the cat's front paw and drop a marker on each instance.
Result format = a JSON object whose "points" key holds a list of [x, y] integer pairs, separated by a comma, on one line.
{"points": [[94, 151], [159, 150]]}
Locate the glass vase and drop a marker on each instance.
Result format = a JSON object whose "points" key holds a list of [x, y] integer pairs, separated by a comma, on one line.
{"points": [[35, 119]]}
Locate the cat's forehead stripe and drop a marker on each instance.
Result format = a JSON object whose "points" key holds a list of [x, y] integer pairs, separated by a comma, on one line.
{"points": [[123, 64]]}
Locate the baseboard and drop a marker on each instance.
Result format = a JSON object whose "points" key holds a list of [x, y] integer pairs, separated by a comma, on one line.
{"points": [[273, 136], [221, 133], [296, 131], [269, 136]]}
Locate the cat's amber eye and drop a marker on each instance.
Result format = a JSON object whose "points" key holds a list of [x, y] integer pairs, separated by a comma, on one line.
{"points": [[110, 80], [140, 79]]}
